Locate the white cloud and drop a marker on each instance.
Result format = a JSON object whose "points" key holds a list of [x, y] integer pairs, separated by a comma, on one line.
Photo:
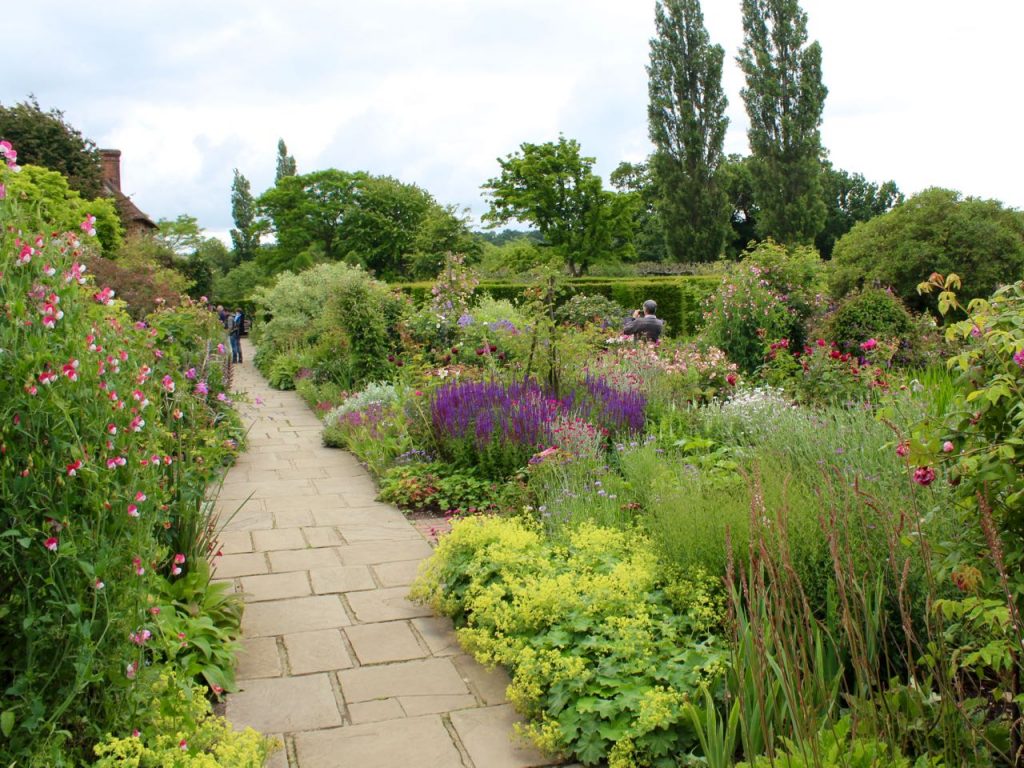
{"points": [[433, 91]]}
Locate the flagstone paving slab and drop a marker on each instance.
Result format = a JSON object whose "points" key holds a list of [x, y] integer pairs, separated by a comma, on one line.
{"points": [[388, 641], [430, 677], [285, 705], [318, 651], [299, 614], [419, 742], [258, 658], [275, 586], [341, 578], [278, 538], [487, 736], [385, 605], [335, 658]]}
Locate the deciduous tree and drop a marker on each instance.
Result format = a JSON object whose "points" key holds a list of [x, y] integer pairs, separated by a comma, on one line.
{"points": [[553, 187], [48, 140], [687, 123], [784, 97], [934, 231], [850, 198], [285, 162], [245, 237]]}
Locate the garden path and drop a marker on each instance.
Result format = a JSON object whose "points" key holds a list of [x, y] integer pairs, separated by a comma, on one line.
{"points": [[336, 662]]}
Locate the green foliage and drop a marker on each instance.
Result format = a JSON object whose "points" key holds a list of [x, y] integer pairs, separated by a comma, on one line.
{"points": [[45, 202], [286, 165], [376, 221], [209, 616], [182, 236], [679, 298], [784, 97], [872, 313], [46, 139], [582, 310], [838, 747], [245, 236], [339, 303], [738, 180], [769, 296], [433, 487], [235, 287], [687, 124], [553, 187], [604, 647], [179, 729], [103, 445], [934, 231], [142, 273], [282, 369], [849, 199]]}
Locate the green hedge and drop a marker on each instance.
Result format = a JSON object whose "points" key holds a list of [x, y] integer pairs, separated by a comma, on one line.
{"points": [[679, 297]]}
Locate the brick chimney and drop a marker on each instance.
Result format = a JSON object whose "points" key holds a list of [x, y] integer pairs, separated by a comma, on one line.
{"points": [[111, 159]]}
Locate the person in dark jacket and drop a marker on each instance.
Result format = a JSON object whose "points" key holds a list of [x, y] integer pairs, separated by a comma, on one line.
{"points": [[645, 324], [236, 326]]}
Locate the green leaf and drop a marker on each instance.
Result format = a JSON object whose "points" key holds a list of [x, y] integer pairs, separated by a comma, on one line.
{"points": [[7, 722]]}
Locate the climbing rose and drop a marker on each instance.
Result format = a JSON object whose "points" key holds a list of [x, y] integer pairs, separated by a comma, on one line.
{"points": [[924, 476]]}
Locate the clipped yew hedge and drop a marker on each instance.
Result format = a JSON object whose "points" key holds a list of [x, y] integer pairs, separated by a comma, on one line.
{"points": [[679, 297]]}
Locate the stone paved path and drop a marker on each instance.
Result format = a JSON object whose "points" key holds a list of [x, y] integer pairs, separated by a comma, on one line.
{"points": [[336, 662]]}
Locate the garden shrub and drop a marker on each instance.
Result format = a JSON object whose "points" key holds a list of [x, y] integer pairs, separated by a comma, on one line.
{"points": [[582, 310], [937, 230], [437, 488], [330, 308], [177, 728], [604, 646], [872, 313], [769, 296]]}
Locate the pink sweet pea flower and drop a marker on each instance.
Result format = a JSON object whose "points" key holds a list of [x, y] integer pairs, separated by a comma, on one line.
{"points": [[190, 374], [133, 510], [89, 225], [140, 497], [130, 671], [947, 447], [868, 345], [202, 388], [1019, 358], [220, 349], [73, 467], [51, 543], [168, 383]]}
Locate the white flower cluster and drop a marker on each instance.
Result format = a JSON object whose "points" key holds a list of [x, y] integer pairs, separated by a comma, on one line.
{"points": [[377, 393]]}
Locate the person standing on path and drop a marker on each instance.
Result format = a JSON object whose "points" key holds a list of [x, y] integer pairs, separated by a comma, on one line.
{"points": [[236, 324], [645, 324]]}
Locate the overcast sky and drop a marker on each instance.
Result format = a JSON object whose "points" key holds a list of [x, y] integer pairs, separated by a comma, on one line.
{"points": [[925, 92]]}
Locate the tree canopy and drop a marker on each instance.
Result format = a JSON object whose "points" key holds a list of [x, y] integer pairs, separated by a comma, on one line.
{"points": [[934, 231], [376, 221], [46, 139], [554, 188], [687, 124], [850, 198], [784, 97], [245, 236]]}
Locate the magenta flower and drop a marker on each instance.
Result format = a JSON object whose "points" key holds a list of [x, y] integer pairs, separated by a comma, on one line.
{"points": [[903, 449], [220, 349], [947, 447], [868, 345], [137, 424], [89, 225], [51, 543], [924, 476], [140, 496], [106, 296], [111, 429], [133, 510], [73, 467], [168, 383], [1019, 358], [140, 637], [190, 373], [202, 388]]}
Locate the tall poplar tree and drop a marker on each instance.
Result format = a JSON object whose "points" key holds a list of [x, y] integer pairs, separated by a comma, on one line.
{"points": [[687, 123], [245, 238], [285, 162], [785, 99]]}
